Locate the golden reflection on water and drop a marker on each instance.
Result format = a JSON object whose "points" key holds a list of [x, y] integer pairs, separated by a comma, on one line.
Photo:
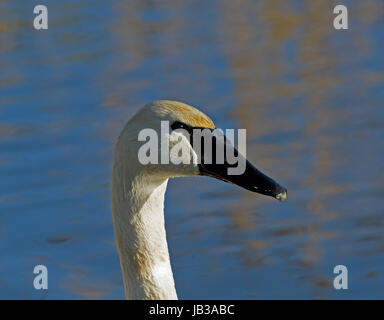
{"points": [[300, 88], [254, 35], [276, 93]]}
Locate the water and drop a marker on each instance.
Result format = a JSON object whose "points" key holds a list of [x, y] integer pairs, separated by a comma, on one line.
{"points": [[310, 97]]}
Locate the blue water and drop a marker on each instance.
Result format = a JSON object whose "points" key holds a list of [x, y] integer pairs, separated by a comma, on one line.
{"points": [[310, 97]]}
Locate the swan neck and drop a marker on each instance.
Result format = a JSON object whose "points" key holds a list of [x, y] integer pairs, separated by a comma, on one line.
{"points": [[138, 214]]}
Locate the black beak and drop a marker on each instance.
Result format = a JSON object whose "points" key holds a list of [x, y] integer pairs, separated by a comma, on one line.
{"points": [[251, 179]]}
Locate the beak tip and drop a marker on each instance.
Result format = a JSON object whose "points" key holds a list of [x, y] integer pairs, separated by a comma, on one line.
{"points": [[282, 196]]}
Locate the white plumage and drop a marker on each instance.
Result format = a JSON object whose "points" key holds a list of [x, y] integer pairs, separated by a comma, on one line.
{"points": [[137, 193]]}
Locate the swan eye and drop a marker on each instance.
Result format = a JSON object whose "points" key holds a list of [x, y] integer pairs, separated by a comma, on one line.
{"points": [[179, 125]]}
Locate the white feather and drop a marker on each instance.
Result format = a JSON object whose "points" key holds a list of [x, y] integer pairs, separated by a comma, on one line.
{"points": [[137, 193]]}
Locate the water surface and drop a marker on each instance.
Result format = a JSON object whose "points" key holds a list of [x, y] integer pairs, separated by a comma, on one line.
{"points": [[310, 97]]}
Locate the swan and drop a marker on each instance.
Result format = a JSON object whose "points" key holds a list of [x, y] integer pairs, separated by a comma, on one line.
{"points": [[137, 196]]}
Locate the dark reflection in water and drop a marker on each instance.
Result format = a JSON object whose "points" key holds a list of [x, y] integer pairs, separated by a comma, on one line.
{"points": [[310, 97]]}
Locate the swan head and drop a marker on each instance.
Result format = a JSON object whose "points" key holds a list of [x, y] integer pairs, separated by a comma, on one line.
{"points": [[166, 139]]}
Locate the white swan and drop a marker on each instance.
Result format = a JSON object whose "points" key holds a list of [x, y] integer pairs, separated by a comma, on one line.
{"points": [[137, 193]]}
